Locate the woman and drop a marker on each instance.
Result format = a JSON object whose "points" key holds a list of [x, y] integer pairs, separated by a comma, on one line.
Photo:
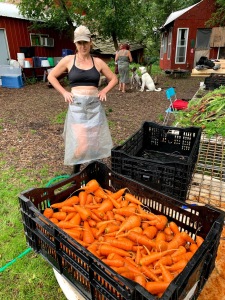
{"points": [[123, 58], [86, 132]]}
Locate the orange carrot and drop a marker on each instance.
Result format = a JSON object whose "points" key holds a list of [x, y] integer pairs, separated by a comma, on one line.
{"points": [[181, 264], [100, 193], [101, 229], [118, 193], [140, 239], [176, 242], [110, 215], [121, 243], [59, 215], [156, 287], [199, 240], [48, 212], [166, 275], [150, 231], [70, 216], [181, 250], [107, 249], [88, 236], [187, 256], [113, 262], [154, 256], [84, 213], [76, 234], [68, 202], [89, 199], [76, 219], [68, 209], [91, 186], [161, 224], [124, 203], [92, 223], [66, 224], [148, 273], [115, 203], [140, 279], [82, 197], [128, 274], [111, 228], [165, 260], [138, 255], [187, 237], [130, 223], [54, 220], [119, 217], [131, 198], [125, 211], [173, 226], [193, 248], [105, 206]]}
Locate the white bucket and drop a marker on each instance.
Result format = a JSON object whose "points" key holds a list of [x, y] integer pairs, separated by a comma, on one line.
{"points": [[20, 56], [45, 63], [26, 64]]}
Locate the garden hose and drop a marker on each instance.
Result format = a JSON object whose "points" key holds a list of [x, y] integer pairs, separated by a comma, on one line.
{"points": [[29, 249]]}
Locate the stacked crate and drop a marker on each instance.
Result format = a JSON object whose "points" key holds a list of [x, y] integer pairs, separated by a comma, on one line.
{"points": [[160, 157]]}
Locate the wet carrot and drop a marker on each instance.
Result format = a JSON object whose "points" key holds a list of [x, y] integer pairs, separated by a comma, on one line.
{"points": [[70, 216], [149, 273], [140, 278], [107, 249], [68, 202], [130, 223], [150, 231], [173, 226], [76, 219], [166, 275], [48, 212], [82, 197], [131, 198], [83, 212], [59, 215], [105, 206], [156, 287], [199, 240], [88, 236]]}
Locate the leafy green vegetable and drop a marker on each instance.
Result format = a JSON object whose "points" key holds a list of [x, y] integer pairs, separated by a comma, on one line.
{"points": [[207, 112]]}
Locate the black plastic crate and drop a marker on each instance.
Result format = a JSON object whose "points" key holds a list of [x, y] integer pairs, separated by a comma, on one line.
{"points": [[213, 82], [160, 157], [90, 276]]}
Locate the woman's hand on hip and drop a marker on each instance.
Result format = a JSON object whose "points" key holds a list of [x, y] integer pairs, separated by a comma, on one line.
{"points": [[102, 95], [68, 97]]}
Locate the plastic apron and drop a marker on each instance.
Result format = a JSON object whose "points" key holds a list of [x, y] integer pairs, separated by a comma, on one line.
{"points": [[86, 131]]}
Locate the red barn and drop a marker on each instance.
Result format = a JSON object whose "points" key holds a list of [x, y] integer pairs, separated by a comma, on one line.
{"points": [[185, 37], [15, 34]]}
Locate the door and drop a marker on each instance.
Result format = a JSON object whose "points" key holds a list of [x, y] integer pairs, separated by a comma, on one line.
{"points": [[202, 44], [4, 50]]}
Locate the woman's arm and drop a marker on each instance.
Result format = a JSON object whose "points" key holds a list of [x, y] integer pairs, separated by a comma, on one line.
{"points": [[58, 70], [110, 76]]}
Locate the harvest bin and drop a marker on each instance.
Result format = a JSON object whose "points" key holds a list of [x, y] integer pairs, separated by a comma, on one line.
{"points": [[160, 157], [89, 275]]}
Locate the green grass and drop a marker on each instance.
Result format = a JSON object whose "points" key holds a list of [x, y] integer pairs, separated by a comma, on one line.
{"points": [[29, 277]]}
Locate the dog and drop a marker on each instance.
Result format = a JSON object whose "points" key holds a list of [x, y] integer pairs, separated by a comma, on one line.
{"points": [[135, 80], [147, 81]]}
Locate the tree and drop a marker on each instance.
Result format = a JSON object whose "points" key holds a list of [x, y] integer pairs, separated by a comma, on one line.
{"points": [[218, 17]]}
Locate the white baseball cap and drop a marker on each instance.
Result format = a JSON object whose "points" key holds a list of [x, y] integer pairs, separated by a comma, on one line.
{"points": [[82, 33]]}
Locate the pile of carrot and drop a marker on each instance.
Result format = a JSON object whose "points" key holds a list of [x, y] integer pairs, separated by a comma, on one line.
{"points": [[114, 226]]}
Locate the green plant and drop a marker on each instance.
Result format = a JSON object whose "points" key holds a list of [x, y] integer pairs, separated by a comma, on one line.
{"points": [[60, 118], [31, 80]]}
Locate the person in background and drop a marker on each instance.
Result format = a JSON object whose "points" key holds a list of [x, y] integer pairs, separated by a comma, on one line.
{"points": [[86, 132], [123, 58]]}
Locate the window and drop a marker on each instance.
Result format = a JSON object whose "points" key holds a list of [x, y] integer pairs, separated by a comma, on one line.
{"points": [[169, 44], [181, 49], [162, 47], [41, 40]]}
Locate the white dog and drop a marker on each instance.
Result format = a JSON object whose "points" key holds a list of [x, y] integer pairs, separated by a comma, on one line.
{"points": [[135, 80], [147, 81]]}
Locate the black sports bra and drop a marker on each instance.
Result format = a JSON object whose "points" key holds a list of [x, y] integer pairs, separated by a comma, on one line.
{"points": [[79, 77]]}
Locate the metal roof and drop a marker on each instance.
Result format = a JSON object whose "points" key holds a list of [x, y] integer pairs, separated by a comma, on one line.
{"points": [[11, 11], [174, 15]]}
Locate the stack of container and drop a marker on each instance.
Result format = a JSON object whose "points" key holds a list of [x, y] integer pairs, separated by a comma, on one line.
{"points": [[21, 58], [11, 77]]}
